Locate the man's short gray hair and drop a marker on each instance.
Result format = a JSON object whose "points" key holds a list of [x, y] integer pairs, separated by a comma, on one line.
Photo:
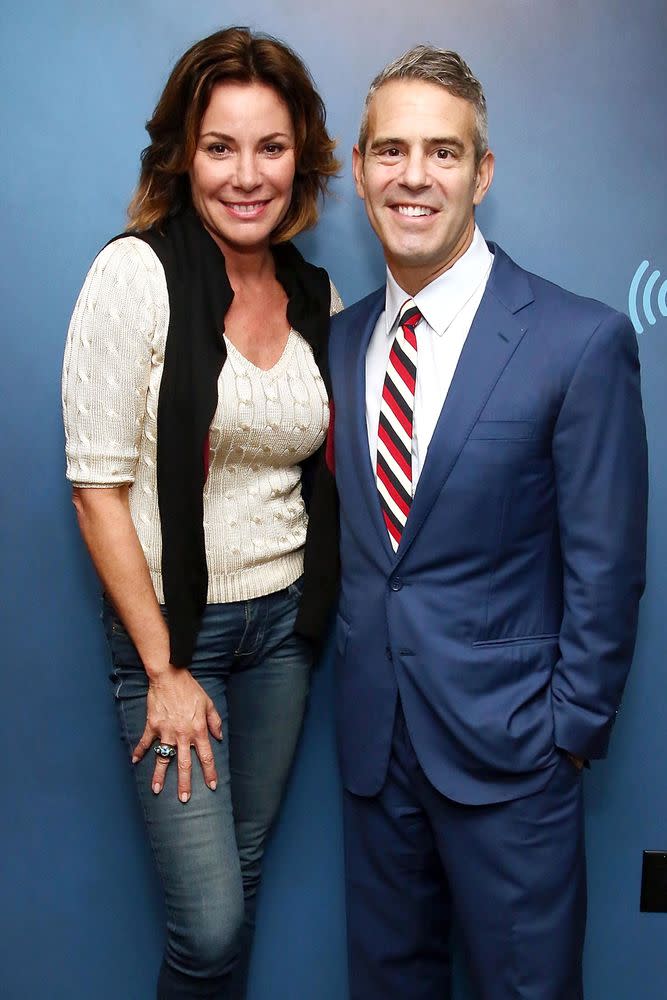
{"points": [[442, 67]]}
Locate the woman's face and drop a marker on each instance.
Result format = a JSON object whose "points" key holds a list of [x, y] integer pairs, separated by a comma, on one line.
{"points": [[243, 170]]}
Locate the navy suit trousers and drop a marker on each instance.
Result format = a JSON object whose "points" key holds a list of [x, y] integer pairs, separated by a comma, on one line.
{"points": [[511, 874]]}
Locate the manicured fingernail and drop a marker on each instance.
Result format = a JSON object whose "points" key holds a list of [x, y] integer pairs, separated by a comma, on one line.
{"points": [[184, 796], [213, 785], [135, 759], [156, 788]]}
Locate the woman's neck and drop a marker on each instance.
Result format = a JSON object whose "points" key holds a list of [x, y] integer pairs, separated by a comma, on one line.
{"points": [[247, 266]]}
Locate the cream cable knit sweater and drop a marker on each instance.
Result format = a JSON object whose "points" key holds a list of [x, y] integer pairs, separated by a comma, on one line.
{"points": [[266, 423]]}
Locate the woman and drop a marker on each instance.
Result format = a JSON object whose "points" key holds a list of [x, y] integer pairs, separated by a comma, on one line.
{"points": [[187, 447]]}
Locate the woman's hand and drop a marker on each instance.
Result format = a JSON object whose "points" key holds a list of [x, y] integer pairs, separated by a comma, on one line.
{"points": [[180, 713]]}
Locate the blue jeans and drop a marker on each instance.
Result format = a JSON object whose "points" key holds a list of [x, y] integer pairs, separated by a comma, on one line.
{"points": [[209, 851]]}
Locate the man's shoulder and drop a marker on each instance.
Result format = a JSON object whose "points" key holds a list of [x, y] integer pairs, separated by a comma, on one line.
{"points": [[548, 294], [564, 307], [359, 311]]}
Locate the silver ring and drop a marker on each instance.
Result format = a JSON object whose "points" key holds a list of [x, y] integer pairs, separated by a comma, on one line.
{"points": [[165, 751]]}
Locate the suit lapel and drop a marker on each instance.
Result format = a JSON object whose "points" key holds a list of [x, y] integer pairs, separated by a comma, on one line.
{"points": [[494, 336], [362, 481]]}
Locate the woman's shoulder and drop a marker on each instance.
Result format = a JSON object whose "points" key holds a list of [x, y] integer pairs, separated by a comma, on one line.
{"points": [[127, 258], [336, 301], [125, 277]]}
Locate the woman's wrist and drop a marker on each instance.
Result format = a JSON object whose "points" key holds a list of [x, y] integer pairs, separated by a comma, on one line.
{"points": [[158, 670]]}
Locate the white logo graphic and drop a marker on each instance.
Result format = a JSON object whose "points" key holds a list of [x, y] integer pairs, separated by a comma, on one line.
{"points": [[637, 302]]}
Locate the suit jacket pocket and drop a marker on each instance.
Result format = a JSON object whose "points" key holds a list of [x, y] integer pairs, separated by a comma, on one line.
{"points": [[503, 430], [519, 640]]}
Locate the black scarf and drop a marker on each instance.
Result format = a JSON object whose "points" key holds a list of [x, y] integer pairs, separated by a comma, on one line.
{"points": [[199, 296]]}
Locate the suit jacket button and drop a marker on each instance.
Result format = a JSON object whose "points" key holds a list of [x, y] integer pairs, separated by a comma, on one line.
{"points": [[396, 584]]}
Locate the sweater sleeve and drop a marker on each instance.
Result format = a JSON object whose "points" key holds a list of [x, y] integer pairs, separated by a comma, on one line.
{"points": [[122, 306]]}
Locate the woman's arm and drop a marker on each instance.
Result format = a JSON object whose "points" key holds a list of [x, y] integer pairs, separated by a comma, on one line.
{"points": [[119, 324], [178, 709], [107, 529]]}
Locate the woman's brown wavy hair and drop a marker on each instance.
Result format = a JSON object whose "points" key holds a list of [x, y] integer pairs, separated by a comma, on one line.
{"points": [[238, 55]]}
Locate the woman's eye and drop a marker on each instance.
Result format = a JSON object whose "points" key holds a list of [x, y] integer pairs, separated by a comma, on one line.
{"points": [[273, 148], [218, 148]]}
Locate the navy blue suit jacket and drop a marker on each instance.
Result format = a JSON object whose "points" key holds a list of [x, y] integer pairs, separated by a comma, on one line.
{"points": [[507, 618]]}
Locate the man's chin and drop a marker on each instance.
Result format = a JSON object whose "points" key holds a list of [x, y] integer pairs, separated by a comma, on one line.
{"points": [[411, 257]]}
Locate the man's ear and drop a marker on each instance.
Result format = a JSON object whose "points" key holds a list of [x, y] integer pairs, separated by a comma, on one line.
{"points": [[358, 170], [484, 176]]}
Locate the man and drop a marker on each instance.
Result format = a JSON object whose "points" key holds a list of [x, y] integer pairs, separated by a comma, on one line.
{"points": [[490, 458]]}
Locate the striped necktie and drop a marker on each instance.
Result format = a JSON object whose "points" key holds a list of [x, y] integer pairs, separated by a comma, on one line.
{"points": [[394, 455]]}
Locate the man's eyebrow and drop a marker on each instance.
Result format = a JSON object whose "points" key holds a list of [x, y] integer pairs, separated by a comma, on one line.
{"points": [[386, 141], [447, 140]]}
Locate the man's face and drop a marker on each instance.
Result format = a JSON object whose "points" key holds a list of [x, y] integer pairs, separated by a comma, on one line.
{"points": [[419, 179]]}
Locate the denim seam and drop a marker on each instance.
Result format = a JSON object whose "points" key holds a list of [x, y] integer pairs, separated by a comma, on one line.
{"points": [[246, 614], [118, 677], [261, 629], [144, 810]]}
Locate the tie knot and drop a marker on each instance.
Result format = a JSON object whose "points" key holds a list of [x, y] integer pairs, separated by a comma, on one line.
{"points": [[410, 315]]}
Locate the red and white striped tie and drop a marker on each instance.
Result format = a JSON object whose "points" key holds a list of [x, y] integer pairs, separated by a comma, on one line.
{"points": [[394, 455]]}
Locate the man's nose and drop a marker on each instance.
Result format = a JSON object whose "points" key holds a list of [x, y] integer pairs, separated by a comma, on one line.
{"points": [[415, 172]]}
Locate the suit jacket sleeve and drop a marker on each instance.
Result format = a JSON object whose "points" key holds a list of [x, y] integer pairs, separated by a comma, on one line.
{"points": [[600, 460]]}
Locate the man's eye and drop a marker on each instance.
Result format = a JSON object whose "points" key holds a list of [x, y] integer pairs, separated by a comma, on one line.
{"points": [[390, 151], [443, 154]]}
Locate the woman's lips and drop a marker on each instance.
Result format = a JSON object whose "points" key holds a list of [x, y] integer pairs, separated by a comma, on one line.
{"points": [[245, 209]]}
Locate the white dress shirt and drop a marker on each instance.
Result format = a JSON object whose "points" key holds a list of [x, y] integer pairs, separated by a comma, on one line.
{"points": [[448, 306]]}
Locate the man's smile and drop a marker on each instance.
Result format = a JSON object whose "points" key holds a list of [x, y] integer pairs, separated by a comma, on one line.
{"points": [[413, 211]]}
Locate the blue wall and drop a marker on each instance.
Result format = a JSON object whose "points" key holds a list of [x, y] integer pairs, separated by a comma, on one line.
{"points": [[576, 92]]}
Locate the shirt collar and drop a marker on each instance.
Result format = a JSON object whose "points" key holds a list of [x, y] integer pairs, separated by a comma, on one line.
{"points": [[445, 296]]}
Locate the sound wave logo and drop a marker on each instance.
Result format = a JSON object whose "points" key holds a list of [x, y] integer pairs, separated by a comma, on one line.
{"points": [[637, 302]]}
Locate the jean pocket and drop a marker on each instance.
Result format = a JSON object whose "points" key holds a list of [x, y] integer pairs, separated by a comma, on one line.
{"points": [[296, 589], [125, 661]]}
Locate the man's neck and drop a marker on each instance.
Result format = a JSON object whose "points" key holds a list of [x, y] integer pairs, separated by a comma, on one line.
{"points": [[413, 279]]}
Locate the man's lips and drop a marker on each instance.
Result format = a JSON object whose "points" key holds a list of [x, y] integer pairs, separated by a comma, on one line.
{"points": [[413, 211]]}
